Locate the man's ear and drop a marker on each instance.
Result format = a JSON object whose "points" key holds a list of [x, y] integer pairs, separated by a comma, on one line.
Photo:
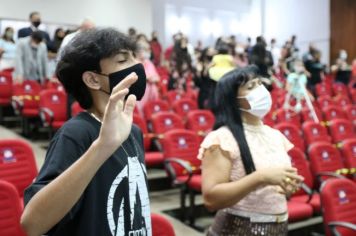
{"points": [[91, 80]]}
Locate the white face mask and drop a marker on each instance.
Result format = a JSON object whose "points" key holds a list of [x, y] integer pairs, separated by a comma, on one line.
{"points": [[260, 101]]}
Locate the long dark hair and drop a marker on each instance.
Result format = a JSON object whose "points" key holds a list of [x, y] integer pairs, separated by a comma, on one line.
{"points": [[227, 111]]}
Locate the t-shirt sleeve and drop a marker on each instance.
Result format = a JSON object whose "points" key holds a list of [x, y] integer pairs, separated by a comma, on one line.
{"points": [[63, 151], [221, 138]]}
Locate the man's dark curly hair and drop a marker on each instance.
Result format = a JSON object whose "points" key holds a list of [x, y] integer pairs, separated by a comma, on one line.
{"points": [[84, 53]]}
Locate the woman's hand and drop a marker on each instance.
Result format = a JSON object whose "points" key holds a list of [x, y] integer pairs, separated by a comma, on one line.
{"points": [[287, 178], [117, 120]]}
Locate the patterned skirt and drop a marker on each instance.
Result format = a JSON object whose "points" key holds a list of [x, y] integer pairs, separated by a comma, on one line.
{"points": [[226, 224]]}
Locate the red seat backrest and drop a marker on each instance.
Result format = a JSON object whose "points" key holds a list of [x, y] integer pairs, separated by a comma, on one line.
{"points": [[300, 162], [308, 116], [333, 112], [56, 101], [292, 133], [350, 111], [324, 157], [200, 120], [288, 116], [339, 88], [341, 129], [30, 92], [184, 145], [314, 132], [184, 105], [348, 149], [161, 226], [5, 86], [338, 199], [342, 100], [152, 107], [11, 210], [323, 89], [140, 122], [17, 163], [164, 121], [325, 101]]}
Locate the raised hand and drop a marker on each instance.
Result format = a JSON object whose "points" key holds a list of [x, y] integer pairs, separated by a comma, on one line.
{"points": [[117, 120]]}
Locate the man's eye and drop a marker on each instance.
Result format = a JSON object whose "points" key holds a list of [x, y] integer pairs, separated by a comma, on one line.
{"points": [[121, 61]]}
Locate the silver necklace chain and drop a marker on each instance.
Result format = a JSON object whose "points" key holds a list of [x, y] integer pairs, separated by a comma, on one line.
{"points": [[122, 145]]}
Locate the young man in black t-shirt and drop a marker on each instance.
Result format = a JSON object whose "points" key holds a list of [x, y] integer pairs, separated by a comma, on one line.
{"points": [[93, 181]]}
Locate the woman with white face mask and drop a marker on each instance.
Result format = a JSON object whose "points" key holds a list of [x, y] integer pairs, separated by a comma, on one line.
{"points": [[246, 171]]}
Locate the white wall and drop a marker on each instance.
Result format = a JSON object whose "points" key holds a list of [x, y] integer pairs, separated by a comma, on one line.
{"points": [[117, 13], [205, 20], [309, 20]]}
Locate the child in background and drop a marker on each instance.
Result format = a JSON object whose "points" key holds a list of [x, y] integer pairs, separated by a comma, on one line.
{"points": [[296, 86]]}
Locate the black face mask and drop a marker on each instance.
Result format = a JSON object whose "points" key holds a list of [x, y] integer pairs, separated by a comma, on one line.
{"points": [[36, 23], [138, 88]]}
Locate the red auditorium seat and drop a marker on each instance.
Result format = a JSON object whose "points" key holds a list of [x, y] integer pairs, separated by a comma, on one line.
{"points": [[353, 95], [308, 116], [17, 164], [180, 148], [200, 121], [342, 100], [333, 112], [25, 101], [11, 210], [339, 88], [53, 109], [288, 116], [164, 121], [348, 150], [53, 85], [183, 106], [350, 111], [174, 95], [76, 109], [322, 89], [338, 198], [299, 211], [5, 92], [152, 107], [292, 133], [325, 101], [305, 194], [152, 159], [313, 132], [341, 129], [325, 160], [161, 226], [5, 89]]}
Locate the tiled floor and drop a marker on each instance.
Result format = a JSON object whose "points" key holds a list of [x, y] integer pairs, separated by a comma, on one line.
{"points": [[160, 200]]}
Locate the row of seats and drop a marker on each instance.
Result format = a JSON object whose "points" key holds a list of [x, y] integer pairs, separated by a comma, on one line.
{"points": [[17, 171]]}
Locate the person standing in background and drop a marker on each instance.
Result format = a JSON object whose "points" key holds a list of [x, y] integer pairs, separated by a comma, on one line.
{"points": [[31, 61], [151, 94], [7, 49], [86, 24], [35, 19], [156, 48], [275, 51]]}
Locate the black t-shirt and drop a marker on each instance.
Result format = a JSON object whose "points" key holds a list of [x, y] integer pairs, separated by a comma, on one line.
{"points": [[116, 201]]}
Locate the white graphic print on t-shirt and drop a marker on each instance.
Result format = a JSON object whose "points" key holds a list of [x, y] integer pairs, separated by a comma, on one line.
{"points": [[134, 211]]}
